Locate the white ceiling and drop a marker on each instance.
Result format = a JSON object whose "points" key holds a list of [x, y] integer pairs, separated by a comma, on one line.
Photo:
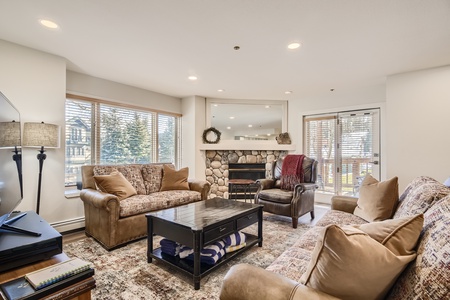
{"points": [[156, 45]]}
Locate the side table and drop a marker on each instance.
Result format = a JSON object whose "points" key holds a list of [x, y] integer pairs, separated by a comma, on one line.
{"points": [[80, 290], [237, 186]]}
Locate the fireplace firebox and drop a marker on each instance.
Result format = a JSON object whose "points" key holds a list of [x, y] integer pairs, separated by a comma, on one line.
{"points": [[252, 171]]}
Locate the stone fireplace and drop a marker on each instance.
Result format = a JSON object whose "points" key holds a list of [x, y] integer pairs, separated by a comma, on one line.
{"points": [[217, 165]]}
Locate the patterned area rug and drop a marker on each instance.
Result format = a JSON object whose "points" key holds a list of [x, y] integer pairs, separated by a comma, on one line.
{"points": [[125, 274]]}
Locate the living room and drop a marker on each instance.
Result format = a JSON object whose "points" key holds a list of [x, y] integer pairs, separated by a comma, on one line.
{"points": [[412, 95]]}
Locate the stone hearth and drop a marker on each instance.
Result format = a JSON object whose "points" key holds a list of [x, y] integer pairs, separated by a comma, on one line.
{"points": [[217, 165]]}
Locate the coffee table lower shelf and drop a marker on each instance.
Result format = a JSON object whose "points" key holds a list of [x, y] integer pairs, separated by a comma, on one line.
{"points": [[187, 266]]}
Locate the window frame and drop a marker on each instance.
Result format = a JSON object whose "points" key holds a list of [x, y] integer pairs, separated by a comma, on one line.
{"points": [[96, 129]]}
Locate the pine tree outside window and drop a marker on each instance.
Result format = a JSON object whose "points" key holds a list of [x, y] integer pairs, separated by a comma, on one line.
{"points": [[124, 135]]}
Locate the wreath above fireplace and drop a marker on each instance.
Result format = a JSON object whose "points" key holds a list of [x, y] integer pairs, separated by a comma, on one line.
{"points": [[211, 135]]}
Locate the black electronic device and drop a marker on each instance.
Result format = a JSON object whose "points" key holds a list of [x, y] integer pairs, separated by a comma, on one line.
{"points": [[18, 249]]}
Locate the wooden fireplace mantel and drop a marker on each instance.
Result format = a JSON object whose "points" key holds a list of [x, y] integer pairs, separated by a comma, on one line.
{"points": [[248, 145]]}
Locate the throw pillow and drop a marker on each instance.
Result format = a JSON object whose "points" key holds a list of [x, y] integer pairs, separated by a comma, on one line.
{"points": [[398, 235], [377, 200], [174, 180], [349, 264], [116, 184]]}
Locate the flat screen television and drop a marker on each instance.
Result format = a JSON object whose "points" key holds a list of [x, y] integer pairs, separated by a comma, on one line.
{"points": [[11, 185]]}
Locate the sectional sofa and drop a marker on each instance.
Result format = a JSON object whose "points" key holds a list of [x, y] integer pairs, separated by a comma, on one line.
{"points": [[350, 266], [117, 197]]}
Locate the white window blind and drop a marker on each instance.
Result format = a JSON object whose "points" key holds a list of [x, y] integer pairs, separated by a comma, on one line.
{"points": [[320, 144]]}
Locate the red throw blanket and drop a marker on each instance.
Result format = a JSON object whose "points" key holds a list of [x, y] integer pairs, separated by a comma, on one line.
{"points": [[292, 171]]}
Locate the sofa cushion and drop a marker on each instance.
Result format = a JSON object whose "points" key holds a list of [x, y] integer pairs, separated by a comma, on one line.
{"points": [[138, 204], [428, 276], [377, 200], [152, 174], [174, 180], [115, 184], [133, 174], [398, 235], [342, 266], [419, 196]]}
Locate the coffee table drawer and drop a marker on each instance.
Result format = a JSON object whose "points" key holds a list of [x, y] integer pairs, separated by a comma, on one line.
{"points": [[247, 220], [218, 232]]}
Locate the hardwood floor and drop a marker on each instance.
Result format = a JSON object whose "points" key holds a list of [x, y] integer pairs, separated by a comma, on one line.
{"points": [[319, 211]]}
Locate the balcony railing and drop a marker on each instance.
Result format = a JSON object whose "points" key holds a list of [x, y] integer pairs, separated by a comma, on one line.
{"points": [[351, 173]]}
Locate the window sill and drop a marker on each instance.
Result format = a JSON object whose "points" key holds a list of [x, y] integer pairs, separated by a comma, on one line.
{"points": [[72, 194]]}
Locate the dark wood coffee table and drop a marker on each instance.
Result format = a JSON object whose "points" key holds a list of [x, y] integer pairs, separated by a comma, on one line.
{"points": [[198, 224]]}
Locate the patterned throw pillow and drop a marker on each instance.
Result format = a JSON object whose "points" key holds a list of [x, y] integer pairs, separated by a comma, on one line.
{"points": [[419, 196], [134, 175], [428, 276], [152, 174]]}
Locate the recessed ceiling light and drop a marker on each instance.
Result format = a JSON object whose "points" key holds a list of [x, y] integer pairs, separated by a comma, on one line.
{"points": [[192, 78], [48, 24], [288, 92], [250, 125], [267, 106], [231, 118], [228, 127], [220, 90], [293, 46]]}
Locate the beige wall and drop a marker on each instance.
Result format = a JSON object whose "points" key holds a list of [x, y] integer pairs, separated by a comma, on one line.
{"points": [[193, 124], [418, 124], [85, 85], [35, 83]]}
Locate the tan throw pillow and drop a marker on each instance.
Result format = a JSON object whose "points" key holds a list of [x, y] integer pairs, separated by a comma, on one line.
{"points": [[116, 184], [349, 264], [377, 200], [398, 235], [174, 180]]}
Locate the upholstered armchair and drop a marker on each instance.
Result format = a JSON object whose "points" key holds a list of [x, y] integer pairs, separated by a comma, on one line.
{"points": [[292, 200]]}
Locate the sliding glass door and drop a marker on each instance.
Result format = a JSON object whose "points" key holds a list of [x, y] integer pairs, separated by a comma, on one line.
{"points": [[347, 147]]}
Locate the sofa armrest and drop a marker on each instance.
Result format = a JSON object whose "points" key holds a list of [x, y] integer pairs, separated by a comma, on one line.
{"points": [[97, 198], [344, 203], [201, 186], [262, 284]]}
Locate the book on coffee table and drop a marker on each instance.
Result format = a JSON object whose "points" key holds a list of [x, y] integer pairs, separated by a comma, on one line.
{"points": [[50, 275]]}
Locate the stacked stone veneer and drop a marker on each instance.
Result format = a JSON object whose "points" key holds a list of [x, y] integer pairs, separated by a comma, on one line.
{"points": [[217, 166]]}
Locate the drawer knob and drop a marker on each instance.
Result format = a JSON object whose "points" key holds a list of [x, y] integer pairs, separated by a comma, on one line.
{"points": [[222, 229], [249, 217]]}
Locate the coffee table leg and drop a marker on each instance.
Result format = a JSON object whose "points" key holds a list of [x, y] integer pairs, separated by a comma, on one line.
{"points": [[149, 239], [197, 248], [260, 226]]}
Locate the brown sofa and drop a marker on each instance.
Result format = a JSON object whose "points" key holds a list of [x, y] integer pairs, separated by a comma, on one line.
{"points": [[113, 222], [426, 277]]}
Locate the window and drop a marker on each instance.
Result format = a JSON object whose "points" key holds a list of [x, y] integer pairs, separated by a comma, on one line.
{"points": [[124, 135], [346, 146]]}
